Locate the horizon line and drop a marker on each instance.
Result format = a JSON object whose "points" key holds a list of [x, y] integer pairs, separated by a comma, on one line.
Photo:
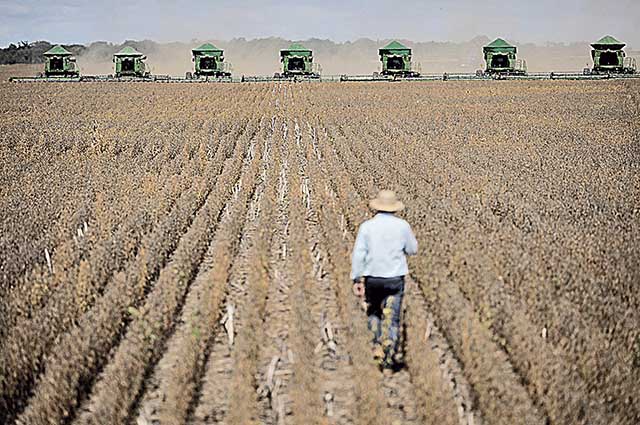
{"points": [[197, 40]]}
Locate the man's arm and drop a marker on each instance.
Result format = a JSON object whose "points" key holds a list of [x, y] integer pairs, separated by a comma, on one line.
{"points": [[411, 244], [359, 254]]}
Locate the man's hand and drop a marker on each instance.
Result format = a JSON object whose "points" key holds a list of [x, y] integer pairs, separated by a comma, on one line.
{"points": [[358, 289]]}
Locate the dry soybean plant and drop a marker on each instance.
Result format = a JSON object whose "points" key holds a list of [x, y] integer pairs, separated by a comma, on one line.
{"points": [[136, 215]]}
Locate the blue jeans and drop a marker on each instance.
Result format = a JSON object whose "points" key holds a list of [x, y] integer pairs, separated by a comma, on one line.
{"points": [[384, 305]]}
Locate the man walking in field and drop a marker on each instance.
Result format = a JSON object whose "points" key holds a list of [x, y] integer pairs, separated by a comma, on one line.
{"points": [[379, 256]]}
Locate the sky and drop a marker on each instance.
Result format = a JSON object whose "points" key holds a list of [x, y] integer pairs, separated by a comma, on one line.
{"points": [[541, 21]]}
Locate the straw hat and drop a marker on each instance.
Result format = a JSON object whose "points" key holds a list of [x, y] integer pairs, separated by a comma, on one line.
{"points": [[386, 201]]}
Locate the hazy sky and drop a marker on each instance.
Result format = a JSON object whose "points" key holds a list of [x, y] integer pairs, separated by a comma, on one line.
{"points": [[538, 21]]}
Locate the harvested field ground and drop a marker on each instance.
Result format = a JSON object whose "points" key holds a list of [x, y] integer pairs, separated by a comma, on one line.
{"points": [[177, 254]]}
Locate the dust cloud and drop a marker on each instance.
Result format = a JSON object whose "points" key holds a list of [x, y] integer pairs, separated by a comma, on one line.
{"points": [[261, 56]]}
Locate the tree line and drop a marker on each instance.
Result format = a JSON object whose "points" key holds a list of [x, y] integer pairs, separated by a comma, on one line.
{"points": [[26, 52]]}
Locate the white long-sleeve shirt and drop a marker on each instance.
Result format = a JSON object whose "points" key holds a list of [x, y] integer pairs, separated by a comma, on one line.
{"points": [[381, 247]]}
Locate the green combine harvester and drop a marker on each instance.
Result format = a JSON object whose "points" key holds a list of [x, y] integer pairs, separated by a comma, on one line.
{"points": [[609, 58], [396, 60], [297, 61], [130, 63], [500, 58], [209, 62], [59, 62], [609, 61]]}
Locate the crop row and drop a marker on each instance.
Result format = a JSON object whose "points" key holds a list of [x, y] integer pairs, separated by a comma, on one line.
{"points": [[134, 243], [432, 396]]}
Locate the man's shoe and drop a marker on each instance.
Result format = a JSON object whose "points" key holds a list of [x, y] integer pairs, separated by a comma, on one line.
{"points": [[378, 354]]}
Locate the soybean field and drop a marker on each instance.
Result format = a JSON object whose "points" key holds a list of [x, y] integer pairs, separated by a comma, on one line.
{"points": [[180, 254]]}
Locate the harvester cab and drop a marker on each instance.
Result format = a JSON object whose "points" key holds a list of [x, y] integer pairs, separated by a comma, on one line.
{"points": [[209, 62], [499, 61], [295, 64], [396, 60], [609, 58], [298, 61], [395, 63], [500, 58], [130, 63], [59, 62]]}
